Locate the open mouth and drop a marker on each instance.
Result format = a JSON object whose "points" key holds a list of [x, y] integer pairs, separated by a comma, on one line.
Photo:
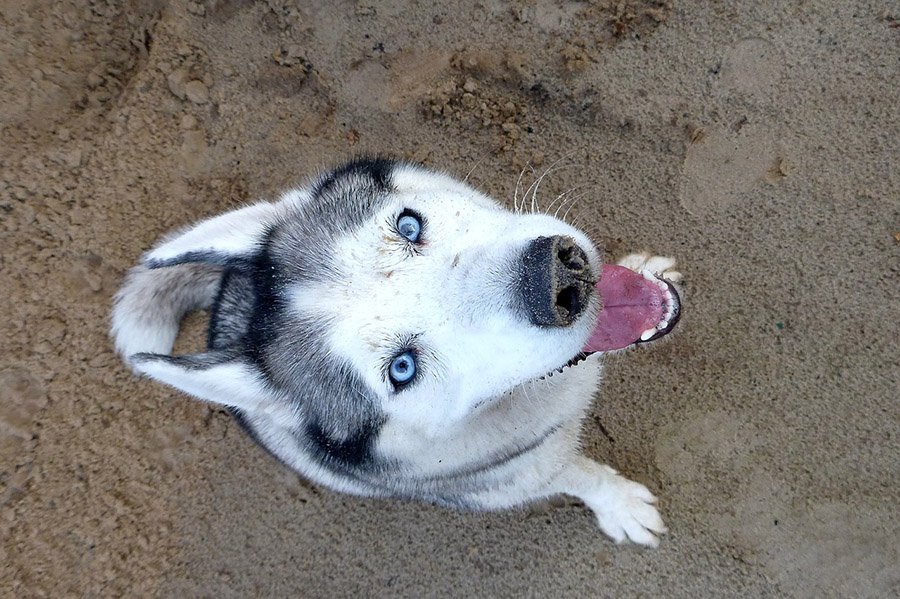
{"points": [[637, 307]]}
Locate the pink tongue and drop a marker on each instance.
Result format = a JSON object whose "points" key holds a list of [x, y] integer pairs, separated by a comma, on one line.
{"points": [[631, 305]]}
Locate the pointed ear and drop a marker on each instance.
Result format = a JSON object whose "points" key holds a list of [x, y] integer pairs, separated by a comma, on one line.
{"points": [[216, 376], [230, 238]]}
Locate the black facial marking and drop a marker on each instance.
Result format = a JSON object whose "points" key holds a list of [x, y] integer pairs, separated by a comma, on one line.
{"points": [[230, 315], [375, 168], [291, 352], [252, 315], [190, 362], [205, 257], [354, 450], [268, 309]]}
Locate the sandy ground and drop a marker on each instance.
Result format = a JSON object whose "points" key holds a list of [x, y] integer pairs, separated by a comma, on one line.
{"points": [[758, 144]]}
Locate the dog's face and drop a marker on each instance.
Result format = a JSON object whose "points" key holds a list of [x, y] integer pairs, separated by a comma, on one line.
{"points": [[382, 294], [424, 296]]}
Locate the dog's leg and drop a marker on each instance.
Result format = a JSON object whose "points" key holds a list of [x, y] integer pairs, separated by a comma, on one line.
{"points": [[624, 508]]}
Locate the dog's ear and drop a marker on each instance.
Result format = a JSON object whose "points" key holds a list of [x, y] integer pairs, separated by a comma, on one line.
{"points": [[229, 239], [221, 377]]}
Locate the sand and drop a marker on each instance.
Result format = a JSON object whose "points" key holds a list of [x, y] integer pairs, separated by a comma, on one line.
{"points": [[757, 143]]}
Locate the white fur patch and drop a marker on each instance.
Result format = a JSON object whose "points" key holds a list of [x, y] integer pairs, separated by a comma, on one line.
{"points": [[233, 233], [232, 384], [658, 265]]}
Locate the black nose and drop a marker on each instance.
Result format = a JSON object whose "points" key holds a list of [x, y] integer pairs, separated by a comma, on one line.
{"points": [[555, 282]]}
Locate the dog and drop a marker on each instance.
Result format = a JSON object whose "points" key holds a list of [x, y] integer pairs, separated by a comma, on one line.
{"points": [[389, 331]]}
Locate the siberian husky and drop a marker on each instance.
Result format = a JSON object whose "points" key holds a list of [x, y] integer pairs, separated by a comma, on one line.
{"points": [[389, 331]]}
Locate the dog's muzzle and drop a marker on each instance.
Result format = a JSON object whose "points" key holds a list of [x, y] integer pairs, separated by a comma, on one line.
{"points": [[556, 281]]}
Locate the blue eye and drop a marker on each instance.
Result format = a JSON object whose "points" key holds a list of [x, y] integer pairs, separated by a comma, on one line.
{"points": [[402, 368], [410, 225]]}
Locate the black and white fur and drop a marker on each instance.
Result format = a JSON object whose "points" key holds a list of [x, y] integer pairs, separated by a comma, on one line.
{"points": [[311, 296]]}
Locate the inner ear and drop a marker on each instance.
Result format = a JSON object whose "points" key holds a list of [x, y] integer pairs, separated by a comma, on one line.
{"points": [[229, 239], [219, 377]]}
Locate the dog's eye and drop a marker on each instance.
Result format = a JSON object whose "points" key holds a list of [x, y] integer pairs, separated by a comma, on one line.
{"points": [[409, 224], [402, 369]]}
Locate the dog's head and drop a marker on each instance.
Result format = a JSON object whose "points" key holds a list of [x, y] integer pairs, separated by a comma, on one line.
{"points": [[433, 295], [384, 292]]}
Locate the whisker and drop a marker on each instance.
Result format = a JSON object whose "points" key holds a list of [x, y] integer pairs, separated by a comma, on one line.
{"points": [[518, 183], [478, 163], [528, 191], [559, 197], [572, 204], [568, 200], [550, 169], [534, 184]]}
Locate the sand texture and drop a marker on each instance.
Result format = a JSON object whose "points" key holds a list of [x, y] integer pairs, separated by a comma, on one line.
{"points": [[757, 142]]}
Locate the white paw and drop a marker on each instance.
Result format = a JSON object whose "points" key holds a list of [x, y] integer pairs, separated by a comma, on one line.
{"points": [[658, 265], [625, 509]]}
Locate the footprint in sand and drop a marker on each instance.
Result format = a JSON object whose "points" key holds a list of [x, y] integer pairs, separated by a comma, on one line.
{"points": [[725, 162], [688, 448], [817, 547], [722, 166]]}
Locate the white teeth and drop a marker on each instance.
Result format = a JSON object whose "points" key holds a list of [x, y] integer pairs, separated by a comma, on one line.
{"points": [[669, 301]]}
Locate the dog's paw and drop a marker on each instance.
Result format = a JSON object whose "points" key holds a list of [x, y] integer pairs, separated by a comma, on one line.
{"points": [[660, 266], [625, 510]]}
